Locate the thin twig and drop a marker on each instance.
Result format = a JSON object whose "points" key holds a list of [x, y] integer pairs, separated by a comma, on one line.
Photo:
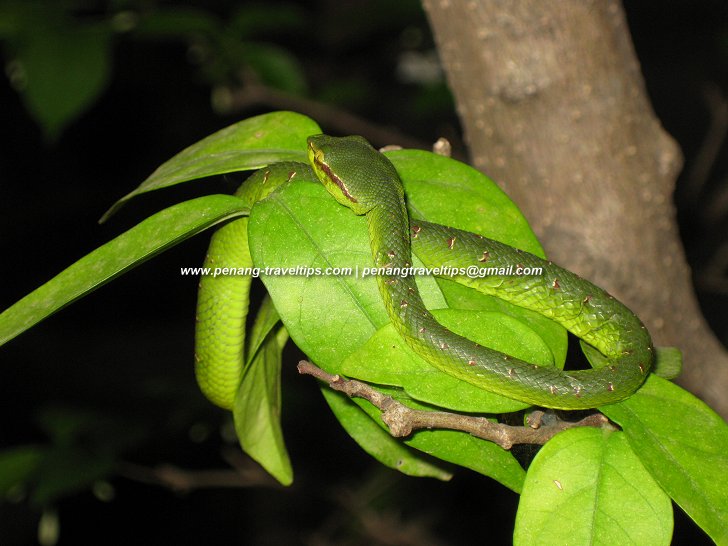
{"points": [[403, 420]]}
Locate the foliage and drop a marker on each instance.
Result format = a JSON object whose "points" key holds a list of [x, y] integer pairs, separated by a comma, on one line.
{"points": [[671, 445]]}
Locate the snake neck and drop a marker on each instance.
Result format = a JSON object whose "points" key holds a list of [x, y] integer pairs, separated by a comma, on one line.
{"points": [[391, 250]]}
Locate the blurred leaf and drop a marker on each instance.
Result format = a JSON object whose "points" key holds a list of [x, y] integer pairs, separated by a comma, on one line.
{"points": [[275, 67], [176, 22], [49, 527], [65, 470], [18, 465], [64, 426], [19, 15], [263, 20], [145, 240], [61, 69]]}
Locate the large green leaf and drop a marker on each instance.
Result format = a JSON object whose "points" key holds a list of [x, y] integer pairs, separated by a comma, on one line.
{"points": [[586, 486], [684, 445], [145, 240], [301, 226], [246, 145]]}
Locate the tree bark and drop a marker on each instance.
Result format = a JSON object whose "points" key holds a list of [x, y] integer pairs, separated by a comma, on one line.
{"points": [[554, 108]]}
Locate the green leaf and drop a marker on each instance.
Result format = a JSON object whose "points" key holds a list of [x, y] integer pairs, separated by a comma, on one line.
{"points": [[684, 445], [61, 69], [69, 426], [378, 443], [448, 192], [246, 145], [467, 451], [302, 226], [145, 240], [459, 296], [456, 447], [667, 364], [257, 408], [265, 321], [587, 486], [425, 383]]}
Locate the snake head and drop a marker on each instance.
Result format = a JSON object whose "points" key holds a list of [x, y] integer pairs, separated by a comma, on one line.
{"points": [[352, 171]]}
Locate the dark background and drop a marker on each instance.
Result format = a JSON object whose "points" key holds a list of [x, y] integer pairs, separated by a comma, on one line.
{"points": [[108, 382]]}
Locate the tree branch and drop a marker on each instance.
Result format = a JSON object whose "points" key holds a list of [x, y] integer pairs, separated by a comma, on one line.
{"points": [[403, 420]]}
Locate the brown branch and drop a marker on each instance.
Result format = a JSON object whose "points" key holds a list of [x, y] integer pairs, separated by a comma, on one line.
{"points": [[245, 473], [337, 119], [403, 420]]}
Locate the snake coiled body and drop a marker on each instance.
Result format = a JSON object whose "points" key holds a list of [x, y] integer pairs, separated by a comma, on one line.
{"points": [[362, 179]]}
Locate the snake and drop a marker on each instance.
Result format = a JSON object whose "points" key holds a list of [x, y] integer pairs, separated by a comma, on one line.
{"points": [[364, 180], [222, 301]]}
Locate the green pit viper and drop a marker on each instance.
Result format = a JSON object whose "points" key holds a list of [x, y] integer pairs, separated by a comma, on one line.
{"points": [[364, 180]]}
